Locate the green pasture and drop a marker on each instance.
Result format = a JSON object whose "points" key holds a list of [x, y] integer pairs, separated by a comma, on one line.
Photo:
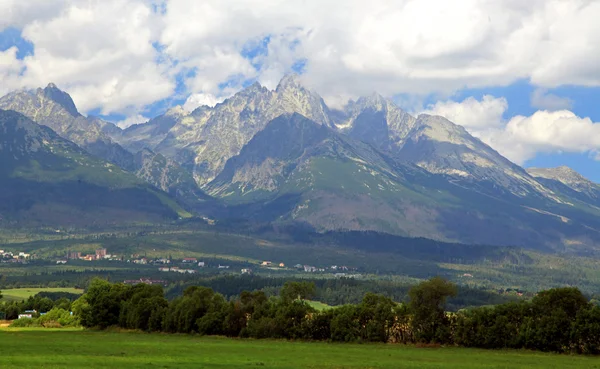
{"points": [[93, 349], [320, 306], [18, 294]]}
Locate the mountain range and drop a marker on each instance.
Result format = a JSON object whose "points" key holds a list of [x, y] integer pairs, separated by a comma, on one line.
{"points": [[283, 156]]}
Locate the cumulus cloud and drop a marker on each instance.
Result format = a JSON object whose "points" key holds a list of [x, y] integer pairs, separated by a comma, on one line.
{"points": [[101, 52], [472, 113], [10, 70], [196, 100], [522, 137], [129, 121], [541, 99], [119, 55], [19, 13]]}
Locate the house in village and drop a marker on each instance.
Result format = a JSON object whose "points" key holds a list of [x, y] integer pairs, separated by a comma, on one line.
{"points": [[100, 254], [310, 269], [73, 255]]}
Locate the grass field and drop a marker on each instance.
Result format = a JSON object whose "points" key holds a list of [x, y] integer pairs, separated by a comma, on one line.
{"points": [[18, 294], [30, 348], [320, 306]]}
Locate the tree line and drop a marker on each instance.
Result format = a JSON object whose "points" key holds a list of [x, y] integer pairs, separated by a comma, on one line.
{"points": [[41, 302], [560, 320]]}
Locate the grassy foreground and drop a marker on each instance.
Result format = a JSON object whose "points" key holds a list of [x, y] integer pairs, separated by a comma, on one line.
{"points": [[31, 348], [18, 294]]}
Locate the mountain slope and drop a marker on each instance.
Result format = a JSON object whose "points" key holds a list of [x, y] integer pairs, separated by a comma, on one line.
{"points": [[47, 180], [336, 182], [569, 183], [296, 170], [167, 175], [55, 108], [148, 135], [442, 147]]}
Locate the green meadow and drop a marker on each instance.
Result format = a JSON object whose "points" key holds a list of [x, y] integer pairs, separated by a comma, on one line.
{"points": [[18, 294], [47, 348]]}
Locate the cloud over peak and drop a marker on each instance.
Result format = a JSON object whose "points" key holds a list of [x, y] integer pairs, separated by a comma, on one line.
{"points": [[118, 56]]}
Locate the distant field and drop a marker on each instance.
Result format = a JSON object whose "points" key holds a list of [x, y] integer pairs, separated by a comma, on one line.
{"points": [[18, 294], [320, 306], [86, 349]]}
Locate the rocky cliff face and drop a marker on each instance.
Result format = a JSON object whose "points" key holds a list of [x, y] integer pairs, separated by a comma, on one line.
{"points": [[167, 175], [566, 176], [568, 183], [378, 121], [205, 139], [442, 147]]}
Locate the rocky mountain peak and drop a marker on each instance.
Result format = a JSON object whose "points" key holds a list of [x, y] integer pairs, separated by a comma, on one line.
{"points": [[562, 174], [254, 89], [176, 111], [289, 81], [292, 97], [440, 129], [60, 97], [375, 101]]}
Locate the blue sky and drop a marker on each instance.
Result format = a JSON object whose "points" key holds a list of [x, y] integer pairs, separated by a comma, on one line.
{"points": [[479, 63]]}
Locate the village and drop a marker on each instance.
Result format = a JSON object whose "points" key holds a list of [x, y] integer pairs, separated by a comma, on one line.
{"points": [[16, 257], [186, 265]]}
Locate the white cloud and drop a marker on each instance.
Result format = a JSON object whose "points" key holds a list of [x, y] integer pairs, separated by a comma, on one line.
{"points": [[522, 137], [10, 69], [196, 100], [541, 99], [411, 46], [129, 121], [19, 13], [102, 50], [558, 131], [472, 113]]}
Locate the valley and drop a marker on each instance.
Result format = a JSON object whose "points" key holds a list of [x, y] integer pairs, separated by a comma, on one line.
{"points": [[365, 257]]}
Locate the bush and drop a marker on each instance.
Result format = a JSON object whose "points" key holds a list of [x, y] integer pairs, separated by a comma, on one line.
{"points": [[57, 318], [24, 322]]}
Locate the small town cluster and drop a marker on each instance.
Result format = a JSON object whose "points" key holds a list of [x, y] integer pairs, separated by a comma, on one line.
{"points": [[16, 257]]}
